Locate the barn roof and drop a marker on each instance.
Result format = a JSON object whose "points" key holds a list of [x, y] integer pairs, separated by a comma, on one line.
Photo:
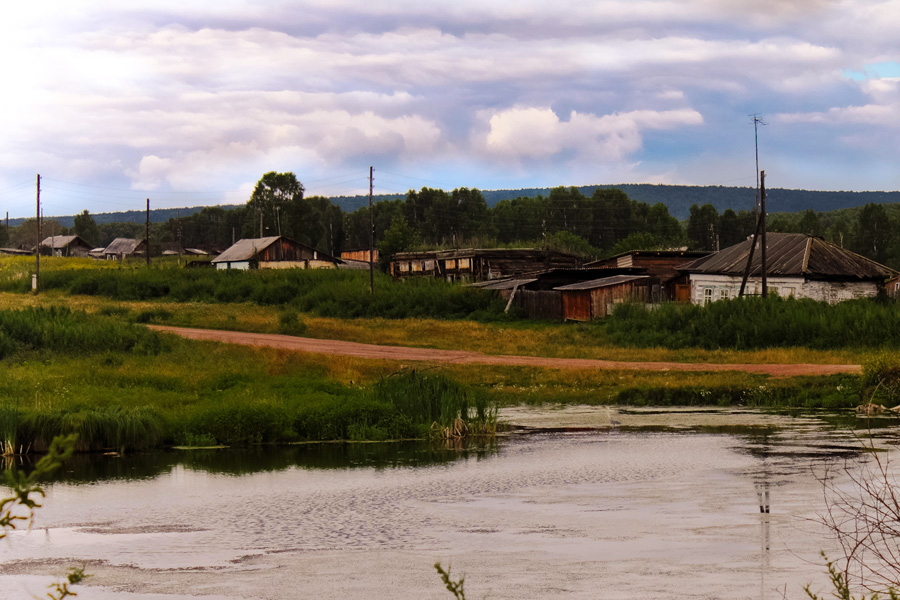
{"points": [[123, 246], [600, 283], [58, 242], [791, 254]]}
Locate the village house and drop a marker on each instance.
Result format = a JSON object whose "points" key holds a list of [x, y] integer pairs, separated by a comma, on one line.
{"points": [[121, 248], [661, 264], [65, 245], [273, 253], [892, 287], [797, 265], [479, 264]]}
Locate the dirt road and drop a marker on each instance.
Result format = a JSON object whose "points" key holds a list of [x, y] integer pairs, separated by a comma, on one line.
{"points": [[373, 351]]}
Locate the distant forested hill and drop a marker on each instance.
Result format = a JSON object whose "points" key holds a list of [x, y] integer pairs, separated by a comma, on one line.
{"points": [[678, 199]]}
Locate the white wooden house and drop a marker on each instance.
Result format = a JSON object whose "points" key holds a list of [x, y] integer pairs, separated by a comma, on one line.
{"points": [[798, 265]]}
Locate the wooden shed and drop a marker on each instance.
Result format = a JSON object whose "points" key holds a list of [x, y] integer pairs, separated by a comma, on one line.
{"points": [[273, 253], [594, 299]]}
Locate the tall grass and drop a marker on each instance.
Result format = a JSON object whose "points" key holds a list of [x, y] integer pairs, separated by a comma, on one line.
{"points": [[437, 404], [66, 331], [754, 323], [329, 293]]}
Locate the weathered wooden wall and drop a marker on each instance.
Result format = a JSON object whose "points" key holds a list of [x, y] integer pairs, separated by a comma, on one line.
{"points": [[546, 305]]}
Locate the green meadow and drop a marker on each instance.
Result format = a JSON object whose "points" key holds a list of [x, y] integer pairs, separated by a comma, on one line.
{"points": [[77, 357]]}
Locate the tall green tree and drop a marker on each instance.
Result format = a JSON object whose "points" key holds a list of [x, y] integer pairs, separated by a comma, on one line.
{"points": [[86, 228], [273, 192], [703, 227]]}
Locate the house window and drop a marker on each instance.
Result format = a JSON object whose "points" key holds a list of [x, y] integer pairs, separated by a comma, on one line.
{"points": [[723, 294], [429, 265], [707, 295], [464, 263], [417, 265], [404, 266], [450, 263]]}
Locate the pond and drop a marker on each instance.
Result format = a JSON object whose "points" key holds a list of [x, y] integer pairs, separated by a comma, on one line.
{"points": [[664, 504]]}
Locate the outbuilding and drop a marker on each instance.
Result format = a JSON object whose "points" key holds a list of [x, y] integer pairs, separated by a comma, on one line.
{"points": [[276, 252], [595, 299]]}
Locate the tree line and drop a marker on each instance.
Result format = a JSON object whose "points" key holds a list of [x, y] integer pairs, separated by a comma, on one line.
{"points": [[604, 223]]}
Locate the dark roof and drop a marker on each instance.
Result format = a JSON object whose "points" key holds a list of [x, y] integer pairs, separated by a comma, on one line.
{"points": [[687, 254], [508, 253], [599, 283], [122, 246], [791, 254]]}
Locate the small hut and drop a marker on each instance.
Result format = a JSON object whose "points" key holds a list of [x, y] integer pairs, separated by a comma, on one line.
{"points": [[594, 299]]}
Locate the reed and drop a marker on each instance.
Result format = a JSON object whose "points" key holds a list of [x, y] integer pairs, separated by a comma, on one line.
{"points": [[118, 428], [438, 405]]}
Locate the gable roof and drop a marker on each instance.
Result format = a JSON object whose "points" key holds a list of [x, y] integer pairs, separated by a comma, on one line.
{"points": [[791, 254], [245, 249], [249, 248], [58, 242], [122, 246]]}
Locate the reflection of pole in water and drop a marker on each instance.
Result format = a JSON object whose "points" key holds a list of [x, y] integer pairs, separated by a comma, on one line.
{"points": [[762, 494]]}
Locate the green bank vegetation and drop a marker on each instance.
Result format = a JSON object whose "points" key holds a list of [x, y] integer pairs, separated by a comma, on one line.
{"points": [[131, 389], [120, 386]]}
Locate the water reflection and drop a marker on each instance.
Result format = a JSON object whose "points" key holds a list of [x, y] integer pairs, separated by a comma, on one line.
{"points": [[90, 468]]}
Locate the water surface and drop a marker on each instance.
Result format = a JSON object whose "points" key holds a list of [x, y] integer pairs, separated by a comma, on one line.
{"points": [[667, 504]]}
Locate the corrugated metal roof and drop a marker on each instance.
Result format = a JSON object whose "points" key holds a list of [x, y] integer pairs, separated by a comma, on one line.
{"points": [[245, 249], [599, 283], [122, 246], [791, 254], [503, 284]]}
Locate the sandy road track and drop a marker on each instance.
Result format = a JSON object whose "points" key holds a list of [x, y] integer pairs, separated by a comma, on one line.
{"points": [[373, 351]]}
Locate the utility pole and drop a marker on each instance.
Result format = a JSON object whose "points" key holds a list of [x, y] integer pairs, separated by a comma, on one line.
{"points": [[762, 220], [147, 251], [371, 235], [757, 121], [37, 252]]}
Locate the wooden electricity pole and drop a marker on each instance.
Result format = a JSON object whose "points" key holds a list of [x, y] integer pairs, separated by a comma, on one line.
{"points": [[37, 248], [762, 220], [758, 234], [147, 251], [371, 236]]}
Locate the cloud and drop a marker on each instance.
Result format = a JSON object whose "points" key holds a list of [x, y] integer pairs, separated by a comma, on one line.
{"points": [[529, 132]]}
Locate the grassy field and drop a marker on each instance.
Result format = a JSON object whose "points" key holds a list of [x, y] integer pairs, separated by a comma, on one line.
{"points": [[519, 338], [84, 363], [122, 387]]}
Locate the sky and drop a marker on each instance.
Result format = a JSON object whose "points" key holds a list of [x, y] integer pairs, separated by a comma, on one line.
{"points": [[190, 103]]}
